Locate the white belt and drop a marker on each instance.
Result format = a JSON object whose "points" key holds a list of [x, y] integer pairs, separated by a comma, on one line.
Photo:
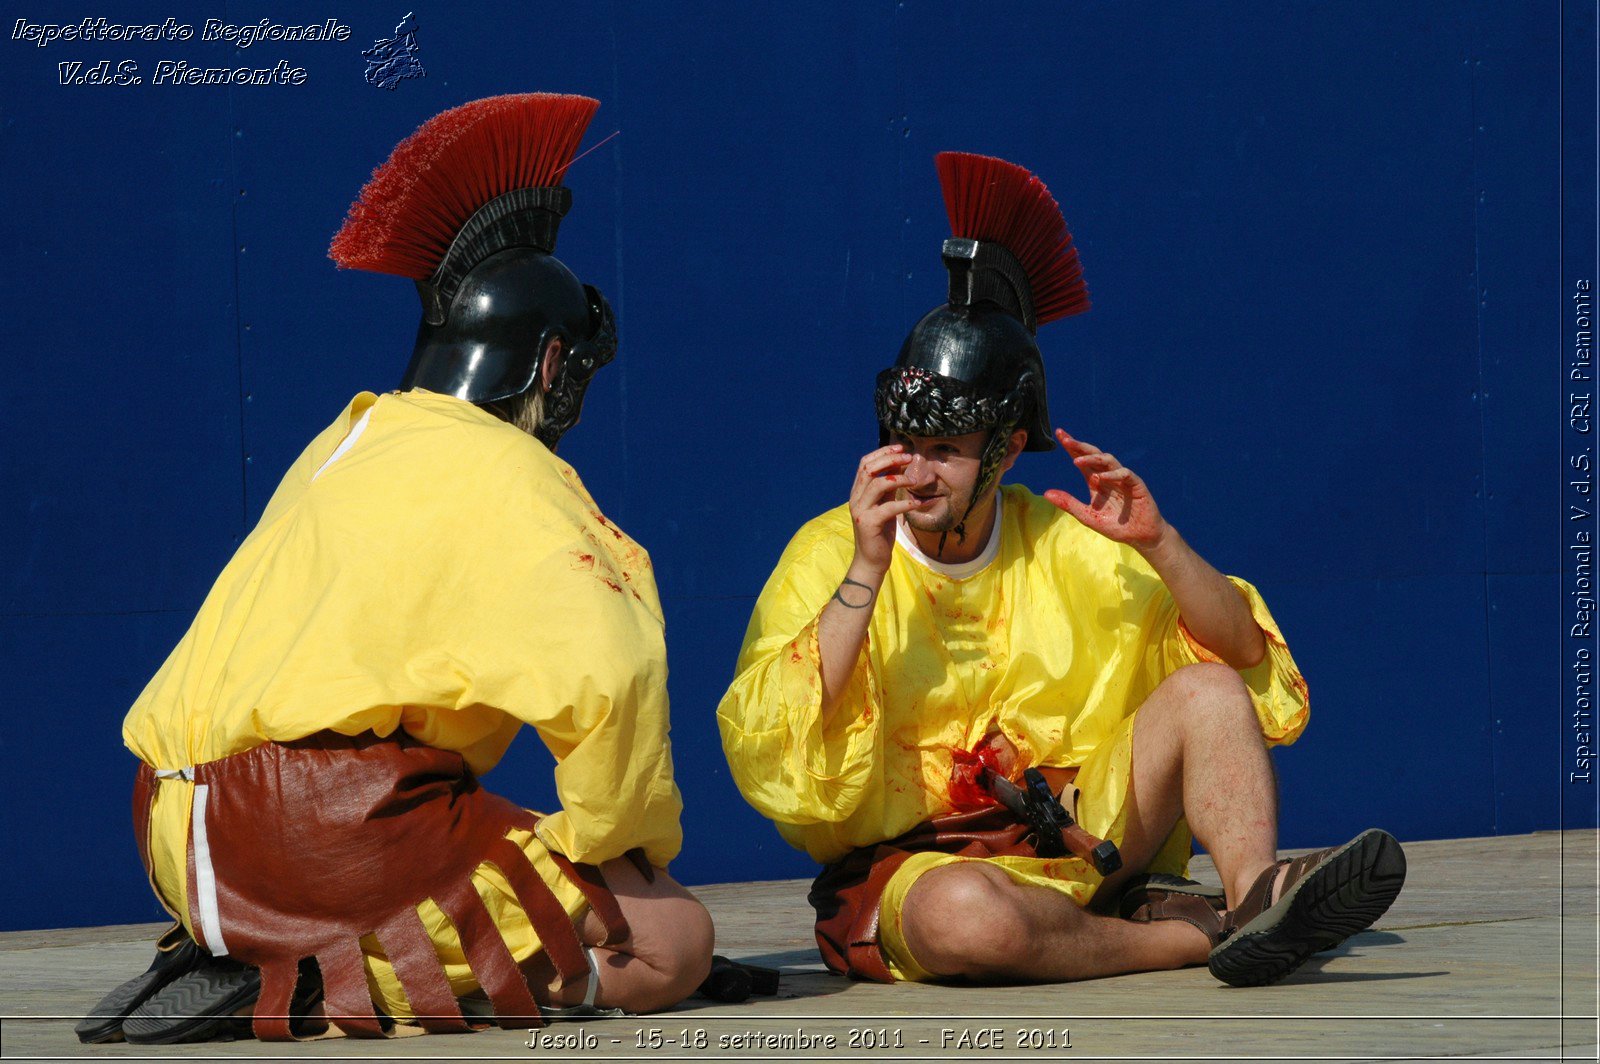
{"points": [[205, 876]]}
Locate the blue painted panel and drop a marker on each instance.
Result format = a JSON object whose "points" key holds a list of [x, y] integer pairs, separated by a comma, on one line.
{"points": [[1521, 319], [67, 780], [310, 331], [1527, 693], [1400, 722], [714, 813], [1275, 269], [121, 343]]}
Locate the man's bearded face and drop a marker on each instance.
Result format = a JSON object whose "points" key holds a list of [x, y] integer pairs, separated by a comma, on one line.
{"points": [[944, 470]]}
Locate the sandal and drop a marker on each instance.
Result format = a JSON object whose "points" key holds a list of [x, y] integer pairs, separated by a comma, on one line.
{"points": [[104, 1021], [1157, 896], [197, 1007], [1323, 899]]}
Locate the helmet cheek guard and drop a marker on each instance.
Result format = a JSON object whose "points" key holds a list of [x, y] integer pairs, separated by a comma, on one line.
{"points": [[1009, 419], [563, 403]]}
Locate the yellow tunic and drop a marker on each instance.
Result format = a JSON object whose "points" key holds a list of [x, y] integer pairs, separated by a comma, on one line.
{"points": [[446, 574], [1057, 641]]}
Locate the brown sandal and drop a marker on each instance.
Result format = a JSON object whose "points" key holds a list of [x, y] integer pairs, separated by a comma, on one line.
{"points": [[1324, 898], [1156, 896]]}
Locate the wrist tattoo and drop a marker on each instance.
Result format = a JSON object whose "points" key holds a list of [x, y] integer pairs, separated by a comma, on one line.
{"points": [[864, 602]]}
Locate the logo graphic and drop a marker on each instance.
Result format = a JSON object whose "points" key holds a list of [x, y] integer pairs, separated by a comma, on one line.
{"points": [[392, 60]]}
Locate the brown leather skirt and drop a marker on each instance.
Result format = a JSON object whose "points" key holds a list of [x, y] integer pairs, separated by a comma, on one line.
{"points": [[307, 846]]}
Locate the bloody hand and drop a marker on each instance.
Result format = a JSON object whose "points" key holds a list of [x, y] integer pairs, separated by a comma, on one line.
{"points": [[874, 506], [1120, 507]]}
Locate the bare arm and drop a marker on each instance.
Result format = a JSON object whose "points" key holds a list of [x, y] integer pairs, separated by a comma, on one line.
{"points": [[842, 624], [1121, 508], [1211, 607]]}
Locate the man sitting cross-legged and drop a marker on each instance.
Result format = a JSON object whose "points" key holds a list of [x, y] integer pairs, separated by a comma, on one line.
{"points": [[939, 622]]}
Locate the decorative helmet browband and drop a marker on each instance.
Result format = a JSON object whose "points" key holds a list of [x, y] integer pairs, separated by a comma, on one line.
{"points": [[972, 364], [468, 206]]}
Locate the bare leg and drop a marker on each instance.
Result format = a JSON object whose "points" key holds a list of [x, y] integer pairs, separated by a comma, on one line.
{"points": [[665, 957], [972, 920], [1198, 752]]}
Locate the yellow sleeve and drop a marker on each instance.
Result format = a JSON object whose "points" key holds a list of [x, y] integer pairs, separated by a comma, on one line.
{"points": [[1277, 689], [609, 735], [569, 639], [787, 765], [1282, 700]]}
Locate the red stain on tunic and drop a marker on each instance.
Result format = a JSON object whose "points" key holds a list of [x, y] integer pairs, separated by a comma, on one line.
{"points": [[966, 769]]}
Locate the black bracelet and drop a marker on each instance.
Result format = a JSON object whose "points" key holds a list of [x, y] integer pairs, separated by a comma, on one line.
{"points": [[853, 605]]}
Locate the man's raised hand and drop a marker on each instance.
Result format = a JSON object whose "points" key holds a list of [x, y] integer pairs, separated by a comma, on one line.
{"points": [[1120, 507], [874, 508], [842, 624]]}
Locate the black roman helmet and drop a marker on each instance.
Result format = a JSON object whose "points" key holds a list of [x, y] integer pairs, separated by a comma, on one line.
{"points": [[972, 364], [468, 206]]}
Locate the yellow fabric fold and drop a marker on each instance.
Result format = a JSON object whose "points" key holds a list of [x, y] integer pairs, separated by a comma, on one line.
{"points": [[792, 767]]}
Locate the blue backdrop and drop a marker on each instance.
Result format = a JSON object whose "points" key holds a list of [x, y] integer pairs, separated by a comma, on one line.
{"points": [[1320, 239]]}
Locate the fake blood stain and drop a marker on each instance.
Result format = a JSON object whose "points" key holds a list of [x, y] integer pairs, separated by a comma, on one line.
{"points": [[966, 769]]}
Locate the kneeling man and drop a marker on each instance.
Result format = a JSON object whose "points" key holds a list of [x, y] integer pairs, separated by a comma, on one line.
{"points": [[428, 578], [940, 624]]}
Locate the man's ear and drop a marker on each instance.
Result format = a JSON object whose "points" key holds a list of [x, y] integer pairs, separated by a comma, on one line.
{"points": [[550, 364], [1014, 446]]}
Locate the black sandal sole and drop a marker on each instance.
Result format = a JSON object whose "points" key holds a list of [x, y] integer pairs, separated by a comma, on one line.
{"points": [[105, 1020], [1344, 895], [196, 1007]]}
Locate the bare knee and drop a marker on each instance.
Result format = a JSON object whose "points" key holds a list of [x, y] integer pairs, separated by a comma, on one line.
{"points": [[667, 954], [685, 960], [1210, 697], [965, 919]]}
